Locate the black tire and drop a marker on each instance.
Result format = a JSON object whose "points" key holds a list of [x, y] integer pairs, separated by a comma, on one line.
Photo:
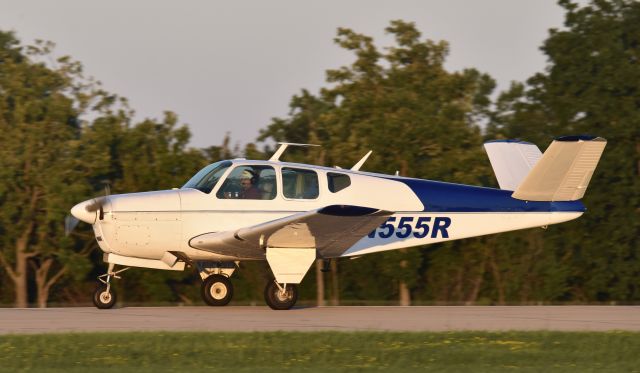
{"points": [[217, 290], [102, 299], [276, 300]]}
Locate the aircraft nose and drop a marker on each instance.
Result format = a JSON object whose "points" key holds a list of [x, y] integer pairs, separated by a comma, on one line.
{"points": [[81, 212]]}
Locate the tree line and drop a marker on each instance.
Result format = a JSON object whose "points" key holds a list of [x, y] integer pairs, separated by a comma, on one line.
{"points": [[64, 139]]}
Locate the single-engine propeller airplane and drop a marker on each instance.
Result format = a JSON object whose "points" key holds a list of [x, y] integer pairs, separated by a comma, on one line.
{"points": [[292, 214]]}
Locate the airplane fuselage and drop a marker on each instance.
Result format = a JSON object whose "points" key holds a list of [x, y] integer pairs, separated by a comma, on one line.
{"points": [[147, 225]]}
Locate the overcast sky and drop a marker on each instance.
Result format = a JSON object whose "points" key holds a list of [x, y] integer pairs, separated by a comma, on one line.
{"points": [[231, 66]]}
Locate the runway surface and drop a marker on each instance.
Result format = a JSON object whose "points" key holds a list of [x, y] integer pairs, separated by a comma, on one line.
{"points": [[85, 319]]}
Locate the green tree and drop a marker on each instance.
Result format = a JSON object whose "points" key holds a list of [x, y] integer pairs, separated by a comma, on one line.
{"points": [[41, 161], [63, 140]]}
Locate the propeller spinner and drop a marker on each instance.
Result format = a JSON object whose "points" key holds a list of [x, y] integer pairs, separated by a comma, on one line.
{"points": [[87, 211]]}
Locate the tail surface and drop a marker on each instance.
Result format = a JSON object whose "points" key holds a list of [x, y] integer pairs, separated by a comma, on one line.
{"points": [[562, 173], [511, 161]]}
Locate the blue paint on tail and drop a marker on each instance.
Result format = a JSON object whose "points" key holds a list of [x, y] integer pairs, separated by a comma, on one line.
{"points": [[447, 197]]}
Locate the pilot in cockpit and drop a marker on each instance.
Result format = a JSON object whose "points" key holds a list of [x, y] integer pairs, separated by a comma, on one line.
{"points": [[248, 183]]}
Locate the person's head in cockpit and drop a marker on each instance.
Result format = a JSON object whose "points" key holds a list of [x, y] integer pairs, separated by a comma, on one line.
{"points": [[247, 182]]}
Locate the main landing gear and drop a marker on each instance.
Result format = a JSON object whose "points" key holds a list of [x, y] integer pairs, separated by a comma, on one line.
{"points": [[280, 297], [217, 289], [104, 297]]}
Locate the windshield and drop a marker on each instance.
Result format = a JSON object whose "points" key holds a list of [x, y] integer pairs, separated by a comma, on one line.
{"points": [[207, 178]]}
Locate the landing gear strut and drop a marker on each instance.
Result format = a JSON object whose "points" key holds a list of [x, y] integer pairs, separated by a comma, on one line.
{"points": [[280, 297], [104, 297]]}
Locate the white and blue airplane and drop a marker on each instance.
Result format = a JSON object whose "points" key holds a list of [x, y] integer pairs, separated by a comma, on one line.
{"points": [[292, 214]]}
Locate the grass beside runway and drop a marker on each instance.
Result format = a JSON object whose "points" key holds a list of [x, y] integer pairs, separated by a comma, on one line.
{"points": [[322, 351]]}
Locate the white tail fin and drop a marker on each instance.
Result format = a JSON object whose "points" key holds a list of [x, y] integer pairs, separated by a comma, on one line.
{"points": [[564, 171], [511, 161]]}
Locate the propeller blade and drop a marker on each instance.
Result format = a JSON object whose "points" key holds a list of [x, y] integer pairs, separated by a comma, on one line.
{"points": [[96, 204], [70, 224]]}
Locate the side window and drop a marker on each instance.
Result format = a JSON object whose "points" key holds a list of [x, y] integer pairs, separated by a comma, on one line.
{"points": [[249, 182], [299, 184], [337, 182]]}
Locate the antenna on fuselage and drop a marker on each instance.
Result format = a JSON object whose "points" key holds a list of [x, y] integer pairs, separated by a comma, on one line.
{"points": [[357, 166], [283, 146]]}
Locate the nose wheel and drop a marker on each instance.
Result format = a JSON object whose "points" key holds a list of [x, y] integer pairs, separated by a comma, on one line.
{"points": [[280, 297], [217, 290], [104, 297]]}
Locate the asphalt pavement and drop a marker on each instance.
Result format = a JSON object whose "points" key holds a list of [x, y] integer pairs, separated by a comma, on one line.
{"points": [[247, 319]]}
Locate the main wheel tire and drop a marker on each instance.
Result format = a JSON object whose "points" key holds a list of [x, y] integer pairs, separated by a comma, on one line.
{"points": [[217, 290], [103, 299], [278, 301]]}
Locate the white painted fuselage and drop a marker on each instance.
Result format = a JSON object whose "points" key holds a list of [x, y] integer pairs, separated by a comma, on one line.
{"points": [[147, 225]]}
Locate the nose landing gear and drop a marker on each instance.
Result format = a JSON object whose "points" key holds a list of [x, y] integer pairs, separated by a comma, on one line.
{"points": [[104, 297]]}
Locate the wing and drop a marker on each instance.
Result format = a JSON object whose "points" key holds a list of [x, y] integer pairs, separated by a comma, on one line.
{"points": [[331, 230]]}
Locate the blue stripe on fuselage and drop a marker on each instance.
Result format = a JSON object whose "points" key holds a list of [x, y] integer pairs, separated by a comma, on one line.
{"points": [[438, 196]]}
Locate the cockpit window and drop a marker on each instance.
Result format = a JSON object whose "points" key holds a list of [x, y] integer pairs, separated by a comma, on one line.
{"points": [[337, 181], [249, 182], [299, 184], [207, 178]]}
